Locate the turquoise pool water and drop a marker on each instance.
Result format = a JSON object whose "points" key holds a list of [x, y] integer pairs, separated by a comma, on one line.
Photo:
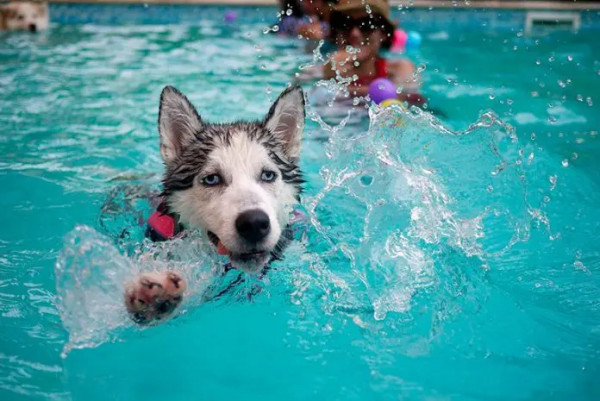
{"points": [[451, 259]]}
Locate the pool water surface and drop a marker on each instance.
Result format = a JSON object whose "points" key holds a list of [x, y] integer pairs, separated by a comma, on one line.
{"points": [[452, 257]]}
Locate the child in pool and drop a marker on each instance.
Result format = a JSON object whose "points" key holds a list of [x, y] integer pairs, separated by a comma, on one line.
{"points": [[361, 29]]}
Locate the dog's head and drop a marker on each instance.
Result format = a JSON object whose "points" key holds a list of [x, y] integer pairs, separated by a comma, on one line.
{"points": [[238, 182], [24, 16]]}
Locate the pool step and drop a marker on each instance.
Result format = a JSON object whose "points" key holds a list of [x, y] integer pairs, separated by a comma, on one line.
{"points": [[552, 19]]}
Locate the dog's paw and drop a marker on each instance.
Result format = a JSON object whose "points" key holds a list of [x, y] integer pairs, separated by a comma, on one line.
{"points": [[154, 296]]}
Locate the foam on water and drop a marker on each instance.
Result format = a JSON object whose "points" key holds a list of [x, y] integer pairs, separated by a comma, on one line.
{"points": [[91, 273]]}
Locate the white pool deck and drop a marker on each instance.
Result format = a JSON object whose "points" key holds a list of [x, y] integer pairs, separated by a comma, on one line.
{"points": [[477, 4]]}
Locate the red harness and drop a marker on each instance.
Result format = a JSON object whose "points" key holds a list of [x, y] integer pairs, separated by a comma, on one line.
{"points": [[162, 225]]}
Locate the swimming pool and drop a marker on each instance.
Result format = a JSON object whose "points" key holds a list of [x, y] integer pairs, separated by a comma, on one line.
{"points": [[448, 260]]}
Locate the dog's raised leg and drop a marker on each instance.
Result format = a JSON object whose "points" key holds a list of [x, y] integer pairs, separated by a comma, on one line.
{"points": [[154, 296]]}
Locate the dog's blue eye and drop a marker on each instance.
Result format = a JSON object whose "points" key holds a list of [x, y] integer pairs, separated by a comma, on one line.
{"points": [[268, 176], [211, 180]]}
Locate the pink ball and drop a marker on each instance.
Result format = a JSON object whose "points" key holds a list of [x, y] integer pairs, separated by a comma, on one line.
{"points": [[399, 40], [382, 89]]}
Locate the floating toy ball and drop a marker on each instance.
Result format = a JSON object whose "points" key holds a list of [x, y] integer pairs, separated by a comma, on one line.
{"points": [[398, 121], [390, 102], [414, 40], [382, 89], [399, 40], [229, 16]]}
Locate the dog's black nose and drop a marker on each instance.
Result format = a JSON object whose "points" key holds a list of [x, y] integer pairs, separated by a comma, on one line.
{"points": [[253, 225], [32, 27]]}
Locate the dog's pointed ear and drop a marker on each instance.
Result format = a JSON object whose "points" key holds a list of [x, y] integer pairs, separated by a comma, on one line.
{"points": [[178, 123], [286, 119]]}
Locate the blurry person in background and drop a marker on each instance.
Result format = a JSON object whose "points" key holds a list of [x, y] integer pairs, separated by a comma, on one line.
{"points": [[361, 29], [308, 19], [318, 12], [292, 16], [24, 16]]}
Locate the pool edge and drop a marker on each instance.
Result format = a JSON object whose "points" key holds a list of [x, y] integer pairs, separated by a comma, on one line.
{"points": [[482, 4]]}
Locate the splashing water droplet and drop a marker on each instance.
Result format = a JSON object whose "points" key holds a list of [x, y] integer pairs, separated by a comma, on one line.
{"points": [[574, 156], [589, 101], [580, 98], [288, 12], [538, 62], [579, 266], [570, 58], [561, 83], [552, 179], [492, 96], [565, 163]]}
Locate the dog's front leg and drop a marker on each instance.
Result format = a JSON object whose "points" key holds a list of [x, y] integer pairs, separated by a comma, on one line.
{"points": [[154, 296]]}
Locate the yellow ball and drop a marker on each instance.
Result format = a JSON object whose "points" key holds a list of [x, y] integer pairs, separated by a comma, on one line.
{"points": [[389, 102]]}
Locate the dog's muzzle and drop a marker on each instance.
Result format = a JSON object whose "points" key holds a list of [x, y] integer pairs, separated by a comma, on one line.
{"points": [[253, 225]]}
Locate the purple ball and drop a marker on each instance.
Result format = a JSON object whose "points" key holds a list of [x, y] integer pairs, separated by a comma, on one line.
{"points": [[230, 16], [382, 89]]}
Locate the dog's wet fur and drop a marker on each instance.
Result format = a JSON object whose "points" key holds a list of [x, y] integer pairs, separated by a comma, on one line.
{"points": [[24, 16], [236, 182]]}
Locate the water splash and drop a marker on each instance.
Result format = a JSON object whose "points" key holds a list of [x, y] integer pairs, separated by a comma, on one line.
{"points": [[408, 203], [91, 274]]}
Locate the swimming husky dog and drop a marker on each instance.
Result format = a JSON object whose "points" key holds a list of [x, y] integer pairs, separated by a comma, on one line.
{"points": [[236, 182]]}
